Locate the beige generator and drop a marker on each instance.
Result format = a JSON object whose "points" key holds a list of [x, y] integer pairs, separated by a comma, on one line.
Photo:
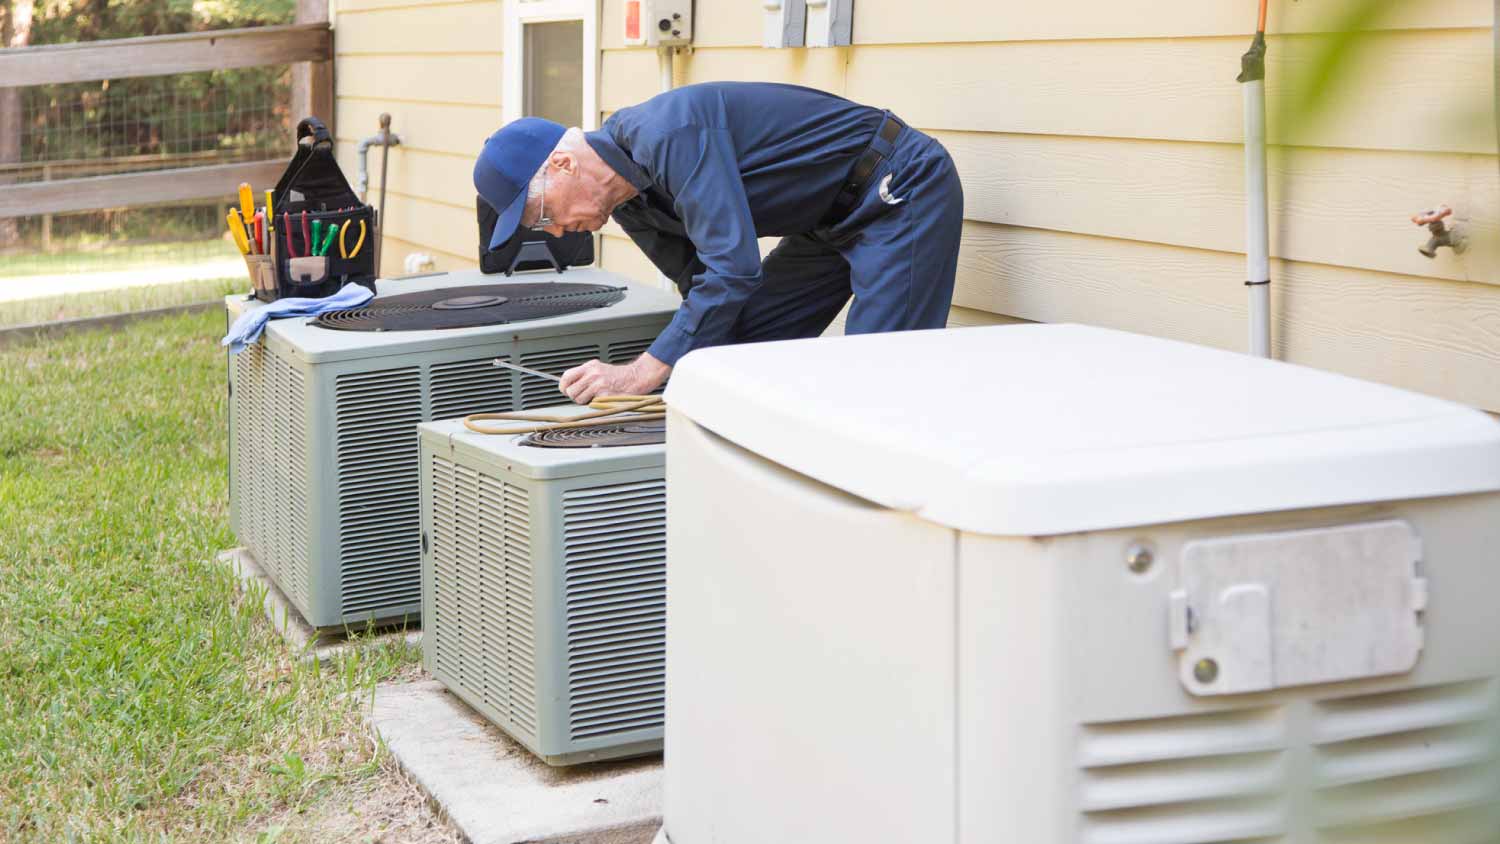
{"points": [[1056, 584]]}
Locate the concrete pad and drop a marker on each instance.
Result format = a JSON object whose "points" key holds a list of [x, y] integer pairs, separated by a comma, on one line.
{"points": [[496, 792], [285, 620]]}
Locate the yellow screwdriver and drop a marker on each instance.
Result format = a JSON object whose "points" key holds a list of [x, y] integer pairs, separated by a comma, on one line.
{"points": [[237, 231], [247, 209]]}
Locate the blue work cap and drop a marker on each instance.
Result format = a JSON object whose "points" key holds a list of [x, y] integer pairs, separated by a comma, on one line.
{"points": [[505, 166]]}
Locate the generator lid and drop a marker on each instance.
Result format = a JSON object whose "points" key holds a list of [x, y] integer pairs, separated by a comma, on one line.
{"points": [[1048, 429], [506, 452]]}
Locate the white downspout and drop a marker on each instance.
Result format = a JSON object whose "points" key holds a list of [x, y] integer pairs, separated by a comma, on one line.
{"points": [[1257, 232], [664, 60]]}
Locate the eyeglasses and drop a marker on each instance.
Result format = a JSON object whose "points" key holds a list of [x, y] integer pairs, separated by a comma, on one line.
{"points": [[542, 220]]}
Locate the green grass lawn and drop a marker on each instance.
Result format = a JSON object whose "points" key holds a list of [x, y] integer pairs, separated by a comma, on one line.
{"points": [[109, 257], [143, 699]]}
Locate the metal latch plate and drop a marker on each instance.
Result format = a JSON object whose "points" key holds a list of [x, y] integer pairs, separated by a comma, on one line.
{"points": [[1266, 611]]}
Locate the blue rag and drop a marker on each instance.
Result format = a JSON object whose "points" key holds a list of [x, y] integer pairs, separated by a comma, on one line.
{"points": [[247, 329]]}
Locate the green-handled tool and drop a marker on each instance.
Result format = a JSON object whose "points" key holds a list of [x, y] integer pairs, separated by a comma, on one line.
{"points": [[322, 249], [317, 235]]}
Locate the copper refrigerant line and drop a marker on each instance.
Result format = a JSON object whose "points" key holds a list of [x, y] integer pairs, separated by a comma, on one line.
{"points": [[611, 408]]}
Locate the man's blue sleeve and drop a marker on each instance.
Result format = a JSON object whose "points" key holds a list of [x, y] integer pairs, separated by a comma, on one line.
{"points": [[673, 255], [700, 169]]}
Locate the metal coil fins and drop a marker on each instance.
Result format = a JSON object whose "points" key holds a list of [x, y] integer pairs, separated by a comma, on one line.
{"points": [[607, 435]]}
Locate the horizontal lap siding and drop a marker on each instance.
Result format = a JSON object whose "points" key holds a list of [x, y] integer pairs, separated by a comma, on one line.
{"points": [[1099, 150], [1103, 173], [436, 69], [734, 23]]}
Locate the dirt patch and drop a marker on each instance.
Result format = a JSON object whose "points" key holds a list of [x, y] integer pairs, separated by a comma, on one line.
{"points": [[384, 809]]}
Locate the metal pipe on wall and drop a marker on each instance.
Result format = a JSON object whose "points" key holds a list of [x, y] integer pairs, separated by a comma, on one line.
{"points": [[664, 62], [1252, 80]]}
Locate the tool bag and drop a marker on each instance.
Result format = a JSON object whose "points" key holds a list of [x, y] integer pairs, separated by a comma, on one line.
{"points": [[313, 189]]}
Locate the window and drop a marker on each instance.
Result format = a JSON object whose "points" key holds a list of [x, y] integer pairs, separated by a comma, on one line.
{"points": [[552, 60]]}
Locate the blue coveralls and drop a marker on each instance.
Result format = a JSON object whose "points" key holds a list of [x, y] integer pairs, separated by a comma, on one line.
{"points": [[722, 163]]}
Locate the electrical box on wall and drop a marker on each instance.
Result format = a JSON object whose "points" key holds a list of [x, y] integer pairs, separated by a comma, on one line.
{"points": [[830, 23], [785, 23], [658, 23]]}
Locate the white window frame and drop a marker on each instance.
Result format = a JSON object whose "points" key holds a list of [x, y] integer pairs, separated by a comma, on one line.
{"points": [[518, 13]]}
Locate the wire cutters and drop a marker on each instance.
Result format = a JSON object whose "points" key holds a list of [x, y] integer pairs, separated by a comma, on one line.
{"points": [[358, 243]]}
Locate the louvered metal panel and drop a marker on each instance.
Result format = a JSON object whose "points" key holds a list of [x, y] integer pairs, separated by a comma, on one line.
{"points": [[470, 386], [540, 392], [520, 618], [481, 631], [270, 467], [292, 487], [627, 351], [614, 572], [375, 417], [1374, 763], [444, 623]]}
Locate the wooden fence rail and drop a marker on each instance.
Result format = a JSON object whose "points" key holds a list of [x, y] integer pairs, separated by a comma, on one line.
{"points": [[307, 45], [130, 189], [159, 55]]}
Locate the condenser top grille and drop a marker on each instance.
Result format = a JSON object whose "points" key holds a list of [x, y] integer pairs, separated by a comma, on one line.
{"points": [[601, 436], [467, 307]]}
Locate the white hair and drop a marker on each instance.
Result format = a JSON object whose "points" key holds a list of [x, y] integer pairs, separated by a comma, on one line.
{"points": [[571, 140]]}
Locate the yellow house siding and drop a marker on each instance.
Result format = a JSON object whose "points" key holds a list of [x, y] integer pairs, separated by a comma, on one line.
{"points": [[1099, 148], [1103, 173], [436, 69], [732, 23]]}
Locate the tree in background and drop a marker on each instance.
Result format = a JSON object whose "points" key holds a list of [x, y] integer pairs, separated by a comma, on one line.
{"points": [[15, 31]]}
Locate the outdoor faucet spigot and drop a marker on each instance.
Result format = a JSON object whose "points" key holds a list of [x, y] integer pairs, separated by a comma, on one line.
{"points": [[1442, 235]]}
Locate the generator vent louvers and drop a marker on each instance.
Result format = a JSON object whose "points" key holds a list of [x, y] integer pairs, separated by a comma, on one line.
{"points": [[470, 386], [614, 568], [540, 392], [481, 623], [1376, 762], [376, 457], [270, 483]]}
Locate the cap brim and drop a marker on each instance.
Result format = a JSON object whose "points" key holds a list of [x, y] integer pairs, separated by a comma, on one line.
{"points": [[510, 219]]}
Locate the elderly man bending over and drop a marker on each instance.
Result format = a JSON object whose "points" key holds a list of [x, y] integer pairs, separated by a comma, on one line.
{"points": [[865, 205]]}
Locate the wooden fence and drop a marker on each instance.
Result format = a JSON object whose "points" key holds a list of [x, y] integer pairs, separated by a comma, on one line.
{"points": [[307, 45]]}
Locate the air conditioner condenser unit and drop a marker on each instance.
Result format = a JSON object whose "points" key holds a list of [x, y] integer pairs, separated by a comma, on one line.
{"points": [[1074, 585], [544, 583], [323, 415]]}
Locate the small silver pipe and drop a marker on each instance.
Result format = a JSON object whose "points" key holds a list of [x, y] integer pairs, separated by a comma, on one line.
{"points": [[1257, 229], [664, 64]]}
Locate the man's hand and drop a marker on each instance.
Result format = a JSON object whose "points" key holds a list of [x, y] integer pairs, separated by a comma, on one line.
{"points": [[596, 378]]}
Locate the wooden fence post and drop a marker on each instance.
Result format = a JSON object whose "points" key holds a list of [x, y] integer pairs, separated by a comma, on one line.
{"points": [[46, 218], [312, 82]]}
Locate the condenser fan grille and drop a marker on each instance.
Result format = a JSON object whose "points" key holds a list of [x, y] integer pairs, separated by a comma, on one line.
{"points": [[467, 307], [601, 436]]}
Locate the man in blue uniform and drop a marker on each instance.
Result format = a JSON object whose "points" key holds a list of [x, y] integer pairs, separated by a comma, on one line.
{"points": [[865, 206]]}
